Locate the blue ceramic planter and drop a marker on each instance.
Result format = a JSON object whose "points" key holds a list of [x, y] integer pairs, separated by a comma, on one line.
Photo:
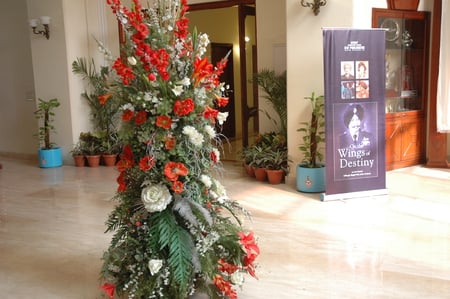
{"points": [[310, 180], [49, 158]]}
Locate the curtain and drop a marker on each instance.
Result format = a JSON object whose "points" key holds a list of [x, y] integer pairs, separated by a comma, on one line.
{"points": [[443, 90]]}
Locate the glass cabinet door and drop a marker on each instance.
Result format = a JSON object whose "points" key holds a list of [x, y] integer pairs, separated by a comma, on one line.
{"points": [[406, 35]]}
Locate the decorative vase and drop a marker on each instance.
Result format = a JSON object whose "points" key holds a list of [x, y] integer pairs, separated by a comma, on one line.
{"points": [[275, 176], [109, 159], [93, 160], [403, 4], [260, 174], [49, 158], [310, 180], [79, 160]]}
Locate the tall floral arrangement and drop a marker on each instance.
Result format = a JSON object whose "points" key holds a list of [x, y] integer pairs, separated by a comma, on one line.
{"points": [[175, 229]]}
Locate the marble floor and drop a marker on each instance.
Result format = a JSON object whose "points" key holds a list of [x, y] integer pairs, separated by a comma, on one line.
{"points": [[396, 246]]}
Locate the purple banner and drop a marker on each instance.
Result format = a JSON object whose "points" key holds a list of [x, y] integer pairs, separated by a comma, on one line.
{"points": [[354, 72]]}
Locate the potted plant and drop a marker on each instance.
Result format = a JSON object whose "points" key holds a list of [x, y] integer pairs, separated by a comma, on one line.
{"points": [[110, 150], [277, 165], [78, 153], [311, 171], [259, 162], [93, 146], [49, 154]]}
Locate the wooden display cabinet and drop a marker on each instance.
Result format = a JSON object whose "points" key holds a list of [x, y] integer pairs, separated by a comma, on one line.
{"points": [[407, 43]]}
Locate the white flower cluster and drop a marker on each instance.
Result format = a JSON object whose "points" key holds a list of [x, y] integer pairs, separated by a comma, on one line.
{"points": [[210, 131], [155, 197], [219, 192], [206, 180], [203, 42], [195, 137]]}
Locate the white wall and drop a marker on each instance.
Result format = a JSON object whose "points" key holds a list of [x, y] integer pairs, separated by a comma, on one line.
{"points": [[304, 60], [16, 81]]}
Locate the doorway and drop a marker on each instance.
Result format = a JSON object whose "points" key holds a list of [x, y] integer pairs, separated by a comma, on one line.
{"points": [[236, 29], [219, 51]]}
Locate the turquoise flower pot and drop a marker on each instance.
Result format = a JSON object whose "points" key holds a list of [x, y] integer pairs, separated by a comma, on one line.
{"points": [[310, 180], [49, 158]]}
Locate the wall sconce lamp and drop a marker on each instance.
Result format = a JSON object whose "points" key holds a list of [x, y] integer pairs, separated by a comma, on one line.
{"points": [[45, 21], [315, 5]]}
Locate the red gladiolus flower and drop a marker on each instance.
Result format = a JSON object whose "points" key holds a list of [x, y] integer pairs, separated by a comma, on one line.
{"points": [[183, 107], [251, 250], [126, 159], [177, 187], [146, 163], [123, 71], [202, 69], [121, 181], [151, 77], [224, 286], [221, 101], [140, 118], [127, 115], [226, 267], [143, 31], [103, 98], [213, 157], [169, 142], [210, 113], [163, 121], [173, 170], [109, 289]]}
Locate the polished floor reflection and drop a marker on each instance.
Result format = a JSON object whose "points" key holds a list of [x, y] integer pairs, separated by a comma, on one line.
{"points": [[397, 246]]}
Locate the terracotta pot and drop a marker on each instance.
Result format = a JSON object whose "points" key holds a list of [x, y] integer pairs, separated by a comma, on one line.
{"points": [[249, 170], [109, 160], [93, 161], [403, 4], [260, 174], [275, 176], [79, 160]]}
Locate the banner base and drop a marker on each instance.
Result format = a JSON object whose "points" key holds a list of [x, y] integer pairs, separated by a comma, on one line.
{"points": [[350, 195]]}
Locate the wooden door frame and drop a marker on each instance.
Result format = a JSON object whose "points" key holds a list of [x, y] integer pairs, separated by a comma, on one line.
{"points": [[437, 142]]}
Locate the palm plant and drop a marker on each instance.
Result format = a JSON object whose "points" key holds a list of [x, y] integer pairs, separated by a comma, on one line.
{"points": [[104, 107], [274, 87]]}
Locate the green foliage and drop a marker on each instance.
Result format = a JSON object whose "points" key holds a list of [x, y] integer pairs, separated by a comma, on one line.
{"points": [[274, 87], [314, 132], [45, 115], [104, 114], [269, 150]]}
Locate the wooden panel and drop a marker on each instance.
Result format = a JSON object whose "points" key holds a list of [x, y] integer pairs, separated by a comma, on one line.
{"points": [[393, 143]]}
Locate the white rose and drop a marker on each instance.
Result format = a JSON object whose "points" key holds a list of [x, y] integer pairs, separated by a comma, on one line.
{"points": [[156, 197], [237, 278], [132, 60], [155, 266]]}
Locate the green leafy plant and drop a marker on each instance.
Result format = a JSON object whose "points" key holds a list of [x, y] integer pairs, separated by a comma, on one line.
{"points": [[274, 87], [45, 115], [104, 106], [278, 159], [314, 133]]}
